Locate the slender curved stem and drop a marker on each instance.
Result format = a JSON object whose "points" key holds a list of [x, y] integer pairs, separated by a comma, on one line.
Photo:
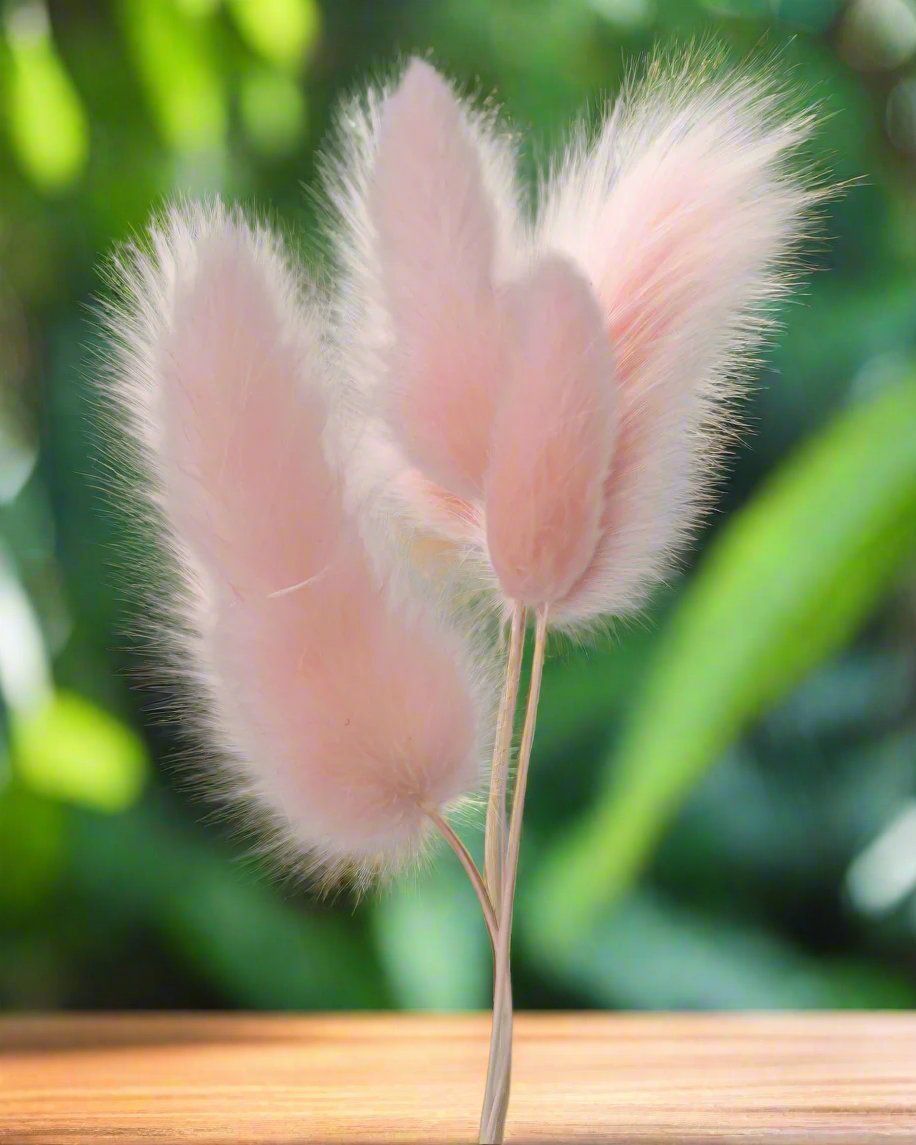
{"points": [[464, 857], [495, 845], [499, 1070]]}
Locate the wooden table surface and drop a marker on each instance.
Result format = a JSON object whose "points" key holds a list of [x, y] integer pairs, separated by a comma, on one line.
{"points": [[252, 1079]]}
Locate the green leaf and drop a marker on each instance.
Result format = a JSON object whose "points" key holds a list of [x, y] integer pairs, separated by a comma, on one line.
{"points": [[261, 950], [71, 750], [587, 688], [32, 850], [433, 941], [787, 582], [47, 122], [656, 954], [282, 31], [273, 109], [25, 677], [232, 927], [173, 56], [811, 15]]}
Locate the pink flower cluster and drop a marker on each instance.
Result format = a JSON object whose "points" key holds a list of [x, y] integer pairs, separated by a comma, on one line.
{"points": [[531, 400]]}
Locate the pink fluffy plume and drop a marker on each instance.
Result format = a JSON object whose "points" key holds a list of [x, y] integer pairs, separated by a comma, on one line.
{"points": [[554, 398], [345, 710]]}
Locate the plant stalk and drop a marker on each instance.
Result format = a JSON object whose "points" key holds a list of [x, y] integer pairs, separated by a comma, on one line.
{"points": [[495, 845], [466, 860], [499, 1069]]}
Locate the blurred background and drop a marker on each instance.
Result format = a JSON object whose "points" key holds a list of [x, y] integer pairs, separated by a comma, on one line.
{"points": [[723, 794]]}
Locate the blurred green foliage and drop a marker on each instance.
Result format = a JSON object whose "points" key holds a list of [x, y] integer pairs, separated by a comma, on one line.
{"points": [[722, 802], [784, 584]]}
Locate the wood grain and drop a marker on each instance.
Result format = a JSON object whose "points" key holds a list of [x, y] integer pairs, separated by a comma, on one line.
{"points": [[660, 1079]]}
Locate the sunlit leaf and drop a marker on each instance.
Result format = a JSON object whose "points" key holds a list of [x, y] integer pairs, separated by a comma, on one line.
{"points": [[72, 750], [786, 584], [172, 53], [24, 671], [47, 123], [884, 875], [282, 31], [198, 7]]}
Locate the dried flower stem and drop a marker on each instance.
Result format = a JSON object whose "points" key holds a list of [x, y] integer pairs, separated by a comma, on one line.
{"points": [[466, 860], [499, 1070], [499, 924], [495, 846]]}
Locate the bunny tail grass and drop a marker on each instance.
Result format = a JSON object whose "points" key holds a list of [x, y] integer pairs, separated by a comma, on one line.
{"points": [[683, 212], [340, 712]]}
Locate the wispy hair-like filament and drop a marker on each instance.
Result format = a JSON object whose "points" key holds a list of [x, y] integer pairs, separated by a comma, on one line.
{"points": [[342, 710]]}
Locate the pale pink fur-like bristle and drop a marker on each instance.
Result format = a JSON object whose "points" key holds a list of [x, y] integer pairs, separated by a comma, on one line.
{"points": [[681, 215], [435, 228], [552, 438], [342, 711], [410, 506]]}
